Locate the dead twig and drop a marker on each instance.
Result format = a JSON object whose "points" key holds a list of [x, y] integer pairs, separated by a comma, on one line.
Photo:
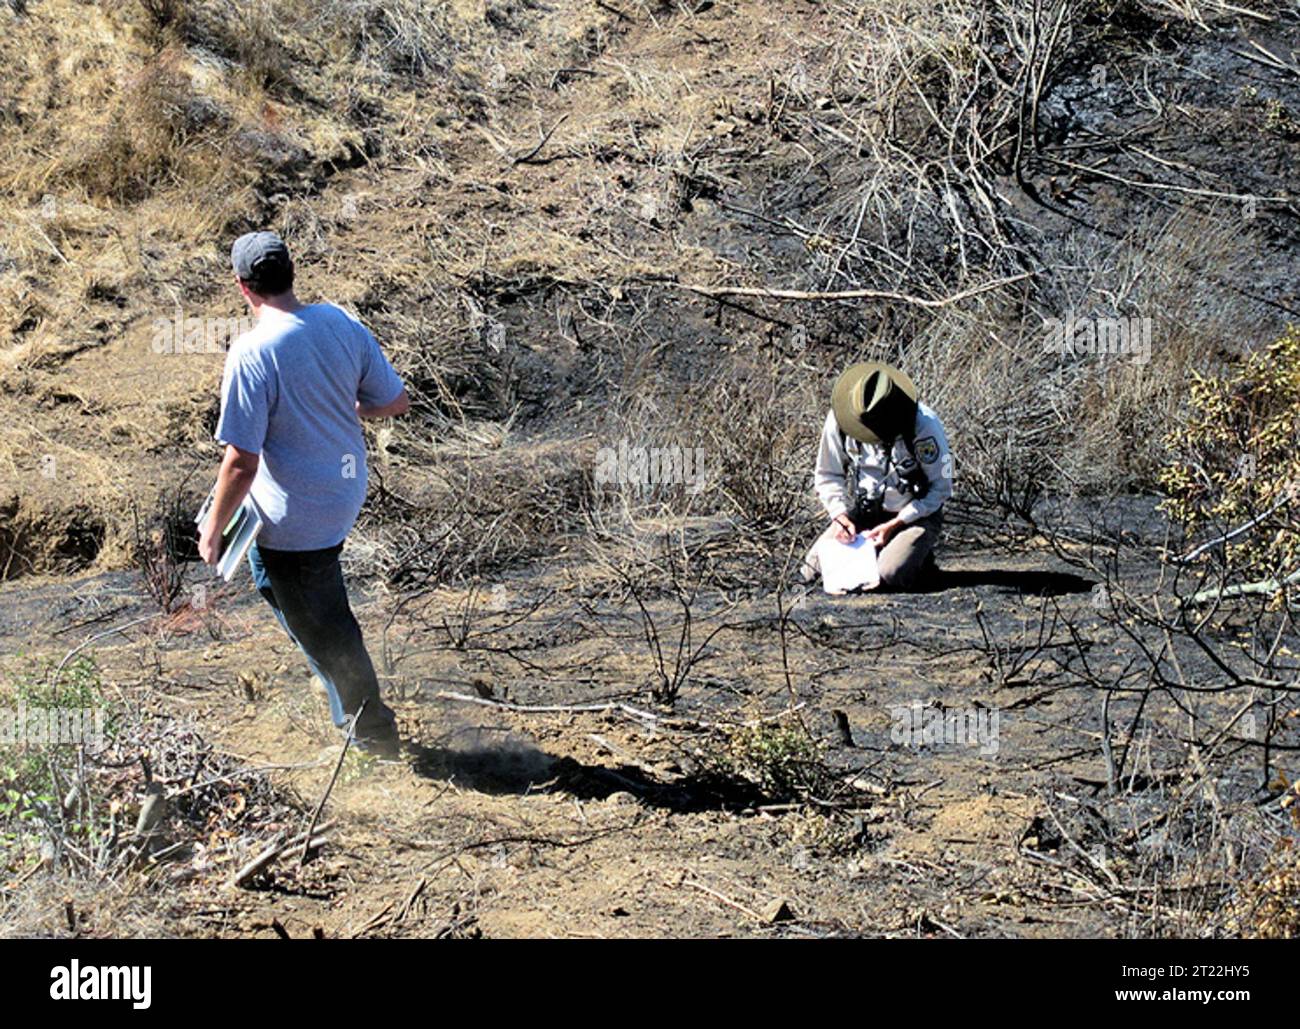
{"points": [[613, 705], [347, 742], [528, 158], [848, 294], [268, 856], [725, 899]]}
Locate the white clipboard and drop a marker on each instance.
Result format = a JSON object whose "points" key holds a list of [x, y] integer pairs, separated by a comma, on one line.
{"points": [[238, 536], [847, 566]]}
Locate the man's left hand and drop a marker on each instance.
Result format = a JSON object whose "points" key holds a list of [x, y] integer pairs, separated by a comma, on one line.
{"points": [[879, 536]]}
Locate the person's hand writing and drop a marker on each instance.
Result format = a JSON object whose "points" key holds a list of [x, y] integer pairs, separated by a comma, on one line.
{"points": [[845, 530]]}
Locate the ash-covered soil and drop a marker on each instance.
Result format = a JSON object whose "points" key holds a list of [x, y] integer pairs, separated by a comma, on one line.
{"points": [[547, 794]]}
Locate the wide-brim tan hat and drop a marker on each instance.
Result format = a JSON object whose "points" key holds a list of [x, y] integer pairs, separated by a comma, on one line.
{"points": [[872, 391]]}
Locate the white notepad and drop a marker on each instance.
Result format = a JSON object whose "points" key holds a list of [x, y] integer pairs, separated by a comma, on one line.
{"points": [[238, 536], [848, 566]]}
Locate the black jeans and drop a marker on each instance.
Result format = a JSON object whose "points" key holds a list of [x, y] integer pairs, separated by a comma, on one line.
{"points": [[306, 591]]}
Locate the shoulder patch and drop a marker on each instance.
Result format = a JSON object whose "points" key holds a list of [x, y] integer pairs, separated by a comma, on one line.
{"points": [[927, 449]]}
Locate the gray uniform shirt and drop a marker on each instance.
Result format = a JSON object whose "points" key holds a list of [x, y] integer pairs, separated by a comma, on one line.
{"points": [[849, 471]]}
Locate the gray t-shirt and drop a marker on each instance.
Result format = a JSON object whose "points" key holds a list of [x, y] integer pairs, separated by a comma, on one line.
{"points": [[289, 393]]}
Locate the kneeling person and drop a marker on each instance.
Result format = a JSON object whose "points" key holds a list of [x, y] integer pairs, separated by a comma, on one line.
{"points": [[883, 468]]}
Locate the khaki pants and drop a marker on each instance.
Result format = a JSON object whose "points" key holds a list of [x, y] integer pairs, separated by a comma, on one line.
{"points": [[900, 561]]}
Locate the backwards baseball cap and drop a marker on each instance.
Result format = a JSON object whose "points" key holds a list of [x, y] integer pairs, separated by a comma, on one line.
{"points": [[257, 253]]}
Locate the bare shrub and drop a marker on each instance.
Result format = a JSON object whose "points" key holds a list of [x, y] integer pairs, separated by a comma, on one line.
{"points": [[676, 645], [476, 516], [1189, 829], [114, 821], [164, 543]]}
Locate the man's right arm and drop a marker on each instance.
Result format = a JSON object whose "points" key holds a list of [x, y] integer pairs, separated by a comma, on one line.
{"points": [[246, 394], [398, 407]]}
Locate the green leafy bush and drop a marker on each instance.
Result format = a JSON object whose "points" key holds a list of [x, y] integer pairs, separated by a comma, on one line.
{"points": [[1235, 459]]}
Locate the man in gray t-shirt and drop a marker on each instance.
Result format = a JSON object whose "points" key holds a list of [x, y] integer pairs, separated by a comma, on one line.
{"points": [[294, 390], [290, 390]]}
